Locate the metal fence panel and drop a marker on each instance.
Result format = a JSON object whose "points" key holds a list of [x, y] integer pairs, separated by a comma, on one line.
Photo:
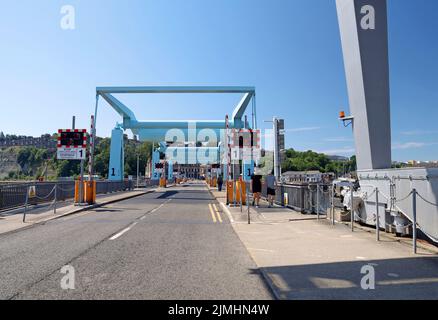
{"points": [[302, 197], [14, 195]]}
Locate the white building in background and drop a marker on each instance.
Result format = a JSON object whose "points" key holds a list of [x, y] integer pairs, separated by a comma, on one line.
{"points": [[312, 176], [419, 163]]}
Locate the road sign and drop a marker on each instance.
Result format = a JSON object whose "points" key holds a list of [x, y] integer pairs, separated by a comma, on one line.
{"points": [[245, 144], [64, 153], [280, 134], [72, 138], [159, 168], [245, 154], [72, 144]]}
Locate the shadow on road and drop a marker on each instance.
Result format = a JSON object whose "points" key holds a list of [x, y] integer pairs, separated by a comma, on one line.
{"points": [[406, 278]]}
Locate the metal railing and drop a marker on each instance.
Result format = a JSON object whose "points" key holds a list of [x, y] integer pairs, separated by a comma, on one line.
{"points": [[377, 196], [16, 195], [320, 199], [306, 198]]}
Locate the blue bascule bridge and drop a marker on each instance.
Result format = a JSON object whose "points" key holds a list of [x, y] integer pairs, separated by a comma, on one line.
{"points": [[181, 141]]}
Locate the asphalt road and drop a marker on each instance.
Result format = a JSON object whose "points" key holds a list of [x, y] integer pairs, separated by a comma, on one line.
{"points": [[171, 244]]}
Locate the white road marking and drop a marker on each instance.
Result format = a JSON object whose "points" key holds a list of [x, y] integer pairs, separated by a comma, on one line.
{"points": [[408, 281], [159, 207], [117, 235]]}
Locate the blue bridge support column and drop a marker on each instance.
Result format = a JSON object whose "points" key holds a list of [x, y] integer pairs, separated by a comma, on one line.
{"points": [[170, 171], [248, 170], [155, 159], [117, 158]]}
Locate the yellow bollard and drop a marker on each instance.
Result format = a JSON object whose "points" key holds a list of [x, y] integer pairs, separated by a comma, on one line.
{"points": [[241, 185], [230, 191], [90, 192]]}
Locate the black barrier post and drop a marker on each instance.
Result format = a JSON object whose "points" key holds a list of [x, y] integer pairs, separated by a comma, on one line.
{"points": [[25, 205], [56, 197]]}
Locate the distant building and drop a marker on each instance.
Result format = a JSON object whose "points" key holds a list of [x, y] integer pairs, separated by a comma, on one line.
{"points": [[45, 141], [307, 177], [190, 171], [338, 158], [426, 164]]}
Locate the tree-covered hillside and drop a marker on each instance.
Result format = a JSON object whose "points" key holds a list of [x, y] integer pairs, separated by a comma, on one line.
{"points": [[36, 162]]}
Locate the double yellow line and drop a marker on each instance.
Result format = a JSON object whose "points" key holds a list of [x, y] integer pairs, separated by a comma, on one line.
{"points": [[214, 211]]}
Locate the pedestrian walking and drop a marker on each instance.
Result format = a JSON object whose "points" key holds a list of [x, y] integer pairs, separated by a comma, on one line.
{"points": [[270, 183], [220, 182], [256, 186]]}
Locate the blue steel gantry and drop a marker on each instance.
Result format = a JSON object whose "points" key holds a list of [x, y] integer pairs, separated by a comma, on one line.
{"points": [[164, 132]]}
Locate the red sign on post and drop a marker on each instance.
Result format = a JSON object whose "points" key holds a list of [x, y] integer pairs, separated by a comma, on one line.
{"points": [[72, 144], [245, 144]]}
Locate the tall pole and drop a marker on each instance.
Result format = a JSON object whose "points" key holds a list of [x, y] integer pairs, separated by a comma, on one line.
{"points": [[254, 106], [333, 203], [352, 207], [138, 167], [81, 183], [317, 201], [91, 159], [414, 222], [377, 216], [253, 112], [81, 179], [228, 155], [92, 140], [276, 169]]}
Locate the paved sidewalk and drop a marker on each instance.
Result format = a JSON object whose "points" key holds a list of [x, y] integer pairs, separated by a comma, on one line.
{"points": [[302, 258], [13, 220]]}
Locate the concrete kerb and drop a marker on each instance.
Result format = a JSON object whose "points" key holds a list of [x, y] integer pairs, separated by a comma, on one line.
{"points": [[228, 212], [270, 283], [76, 211]]}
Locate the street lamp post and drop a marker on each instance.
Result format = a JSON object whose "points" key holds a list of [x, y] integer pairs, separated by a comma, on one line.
{"points": [[138, 167]]}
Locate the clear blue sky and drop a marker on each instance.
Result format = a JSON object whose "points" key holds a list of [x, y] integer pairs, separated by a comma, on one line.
{"points": [[288, 49]]}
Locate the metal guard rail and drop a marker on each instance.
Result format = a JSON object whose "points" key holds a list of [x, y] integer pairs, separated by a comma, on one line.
{"points": [[14, 195], [302, 197]]}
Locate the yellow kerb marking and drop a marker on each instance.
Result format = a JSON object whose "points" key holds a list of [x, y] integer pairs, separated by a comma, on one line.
{"points": [[217, 212], [212, 213]]}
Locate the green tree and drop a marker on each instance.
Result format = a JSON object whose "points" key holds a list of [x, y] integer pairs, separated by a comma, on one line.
{"points": [[310, 160]]}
